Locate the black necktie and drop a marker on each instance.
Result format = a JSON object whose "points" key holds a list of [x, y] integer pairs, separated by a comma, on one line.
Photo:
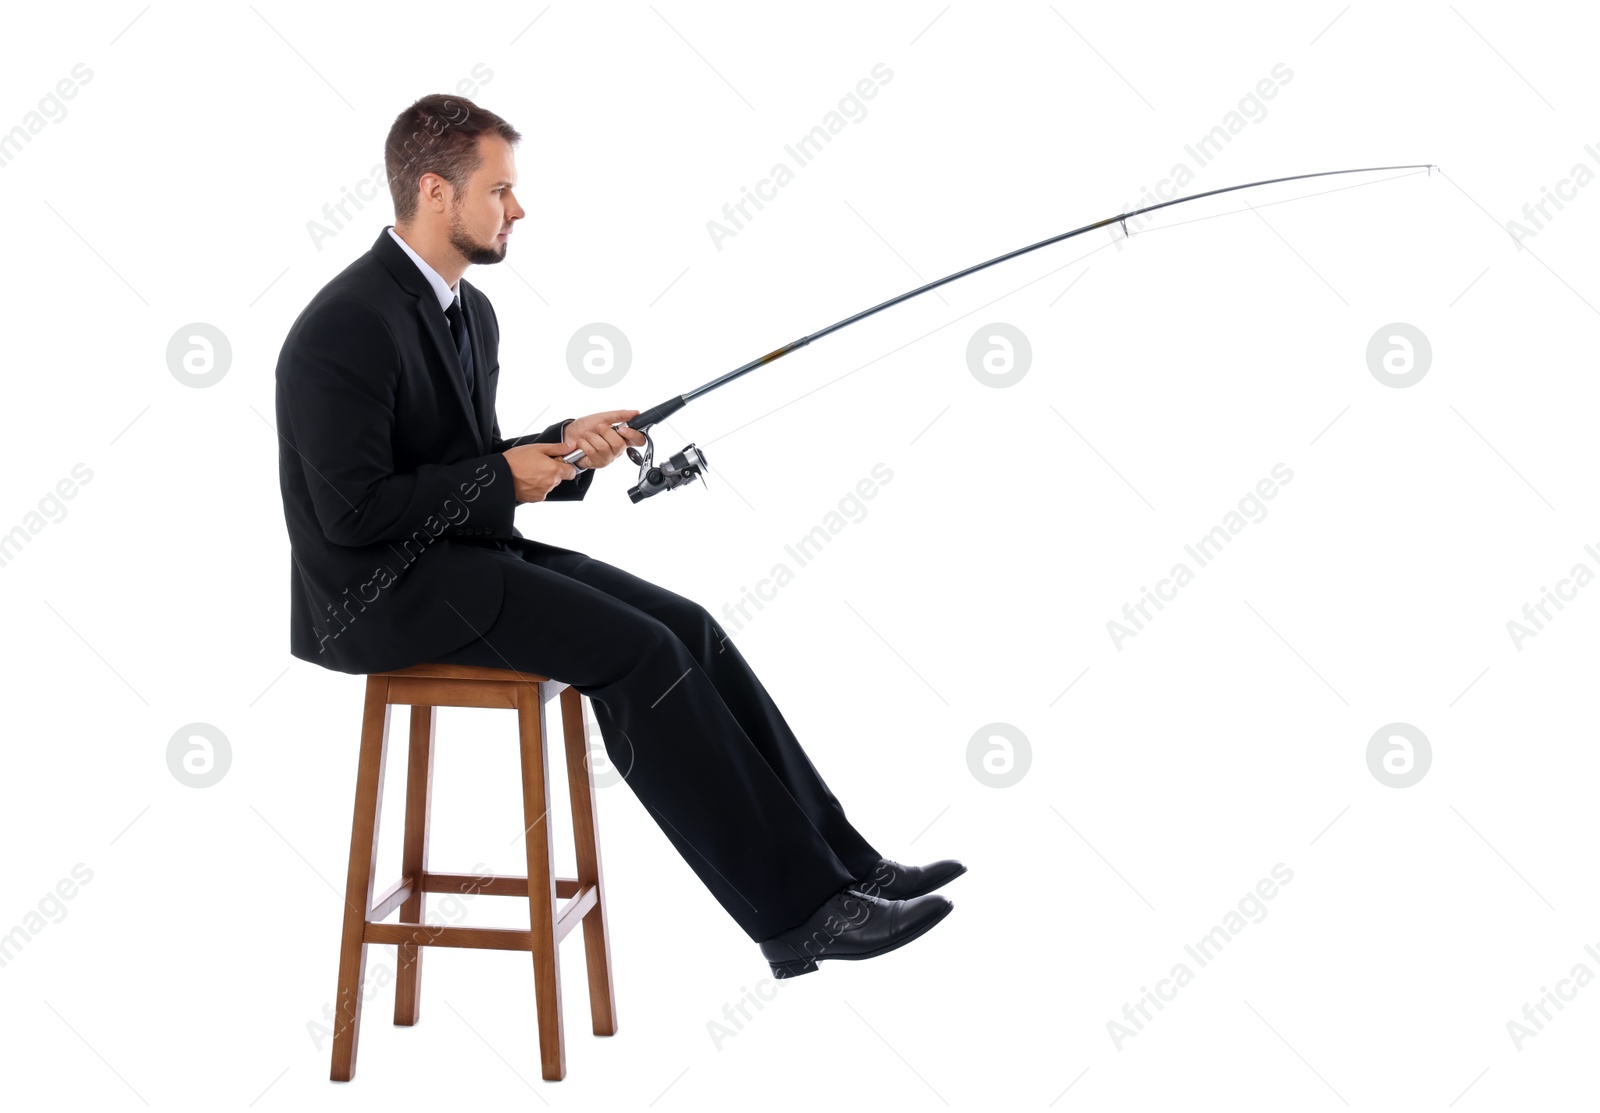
{"points": [[458, 329]]}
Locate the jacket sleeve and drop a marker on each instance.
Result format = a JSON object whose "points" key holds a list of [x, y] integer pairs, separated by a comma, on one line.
{"points": [[568, 490], [339, 388]]}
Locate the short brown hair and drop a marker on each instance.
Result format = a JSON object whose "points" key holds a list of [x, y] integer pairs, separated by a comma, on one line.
{"points": [[438, 134]]}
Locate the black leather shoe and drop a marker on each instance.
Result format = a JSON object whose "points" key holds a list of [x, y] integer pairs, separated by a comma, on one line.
{"points": [[852, 925], [893, 881]]}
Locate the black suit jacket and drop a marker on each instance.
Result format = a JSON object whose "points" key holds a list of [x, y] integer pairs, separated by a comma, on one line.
{"points": [[395, 491]]}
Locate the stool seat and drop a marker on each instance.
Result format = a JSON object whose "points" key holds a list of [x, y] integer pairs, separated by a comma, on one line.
{"points": [[425, 688]]}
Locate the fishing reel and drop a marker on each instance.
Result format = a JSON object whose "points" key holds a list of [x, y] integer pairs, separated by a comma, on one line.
{"points": [[678, 469]]}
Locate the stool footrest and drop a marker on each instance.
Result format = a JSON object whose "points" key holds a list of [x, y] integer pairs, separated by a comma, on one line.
{"points": [[584, 899], [403, 890], [495, 886], [427, 935], [573, 912]]}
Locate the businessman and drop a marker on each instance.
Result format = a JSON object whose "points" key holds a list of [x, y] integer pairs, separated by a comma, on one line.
{"points": [[399, 494]]}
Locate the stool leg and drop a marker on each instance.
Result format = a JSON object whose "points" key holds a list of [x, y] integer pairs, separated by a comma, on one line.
{"points": [[541, 880], [414, 860], [359, 881], [586, 834]]}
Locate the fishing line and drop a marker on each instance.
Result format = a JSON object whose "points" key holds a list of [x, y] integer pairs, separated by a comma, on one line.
{"points": [[1047, 274]]}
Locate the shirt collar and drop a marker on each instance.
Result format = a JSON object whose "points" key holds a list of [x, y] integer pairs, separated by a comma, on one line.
{"points": [[441, 288]]}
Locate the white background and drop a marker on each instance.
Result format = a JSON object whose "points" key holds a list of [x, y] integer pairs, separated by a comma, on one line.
{"points": [[1228, 736]]}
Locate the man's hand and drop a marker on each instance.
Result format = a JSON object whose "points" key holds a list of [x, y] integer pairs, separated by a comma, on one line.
{"points": [[602, 444], [536, 469]]}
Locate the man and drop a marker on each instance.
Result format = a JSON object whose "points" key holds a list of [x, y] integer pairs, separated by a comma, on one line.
{"points": [[399, 493]]}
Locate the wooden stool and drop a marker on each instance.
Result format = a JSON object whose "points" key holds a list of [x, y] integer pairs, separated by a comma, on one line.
{"points": [[424, 688]]}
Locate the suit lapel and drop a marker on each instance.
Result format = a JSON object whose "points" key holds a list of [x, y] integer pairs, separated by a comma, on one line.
{"points": [[412, 283], [444, 344]]}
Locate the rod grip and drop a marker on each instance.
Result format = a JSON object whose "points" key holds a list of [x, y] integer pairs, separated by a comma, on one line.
{"points": [[656, 413], [642, 422]]}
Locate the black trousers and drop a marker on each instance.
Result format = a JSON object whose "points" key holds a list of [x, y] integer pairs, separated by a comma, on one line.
{"points": [[690, 727]]}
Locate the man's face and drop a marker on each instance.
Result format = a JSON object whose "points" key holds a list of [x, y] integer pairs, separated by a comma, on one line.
{"points": [[482, 214]]}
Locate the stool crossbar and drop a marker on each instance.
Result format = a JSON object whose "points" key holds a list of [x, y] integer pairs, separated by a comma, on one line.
{"points": [[425, 688]]}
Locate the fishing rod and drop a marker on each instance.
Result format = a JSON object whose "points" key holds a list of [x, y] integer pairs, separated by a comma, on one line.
{"points": [[683, 467]]}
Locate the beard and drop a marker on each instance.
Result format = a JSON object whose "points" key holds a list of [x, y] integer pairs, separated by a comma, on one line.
{"points": [[470, 249]]}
